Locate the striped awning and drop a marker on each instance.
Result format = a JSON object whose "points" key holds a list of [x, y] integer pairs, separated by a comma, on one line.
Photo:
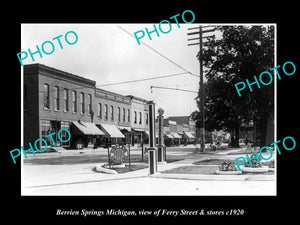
{"points": [[168, 135], [189, 134], [86, 128], [111, 131], [175, 135]]}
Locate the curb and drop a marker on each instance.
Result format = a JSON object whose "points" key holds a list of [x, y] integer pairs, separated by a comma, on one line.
{"points": [[239, 177]]}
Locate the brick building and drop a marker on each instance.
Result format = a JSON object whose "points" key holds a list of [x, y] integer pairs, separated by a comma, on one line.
{"points": [[139, 119], [112, 111], [54, 99]]}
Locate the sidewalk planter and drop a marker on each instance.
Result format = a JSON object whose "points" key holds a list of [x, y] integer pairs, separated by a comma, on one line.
{"points": [[228, 168], [101, 169], [262, 169], [220, 172], [114, 166]]}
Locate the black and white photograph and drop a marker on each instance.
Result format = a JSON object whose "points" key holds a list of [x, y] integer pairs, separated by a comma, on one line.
{"points": [[87, 89], [166, 115]]}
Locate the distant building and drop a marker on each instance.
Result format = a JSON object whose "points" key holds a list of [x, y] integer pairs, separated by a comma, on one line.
{"points": [[181, 129], [187, 123]]}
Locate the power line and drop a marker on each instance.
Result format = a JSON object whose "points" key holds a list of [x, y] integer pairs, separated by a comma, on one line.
{"points": [[145, 79], [175, 89], [124, 82], [159, 53]]}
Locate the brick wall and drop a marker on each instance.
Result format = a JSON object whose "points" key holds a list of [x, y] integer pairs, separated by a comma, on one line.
{"points": [[31, 111]]}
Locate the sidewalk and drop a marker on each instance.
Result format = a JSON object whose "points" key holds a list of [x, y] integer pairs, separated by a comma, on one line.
{"points": [[81, 179]]}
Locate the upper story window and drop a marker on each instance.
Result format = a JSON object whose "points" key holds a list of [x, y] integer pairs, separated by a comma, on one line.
{"points": [[82, 102], [135, 117], [100, 110], [105, 112], [89, 103], [119, 114], [128, 115], [124, 116], [147, 118], [46, 96], [111, 112], [74, 101], [140, 121], [66, 100], [56, 98]]}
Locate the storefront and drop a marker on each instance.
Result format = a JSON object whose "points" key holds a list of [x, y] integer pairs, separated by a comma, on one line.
{"points": [[139, 136], [84, 134], [53, 126], [176, 138], [168, 139], [190, 139], [112, 134]]}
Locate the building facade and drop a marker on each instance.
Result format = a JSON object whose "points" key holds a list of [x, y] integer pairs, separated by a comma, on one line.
{"points": [[54, 99], [112, 111], [179, 130], [139, 120], [188, 125]]}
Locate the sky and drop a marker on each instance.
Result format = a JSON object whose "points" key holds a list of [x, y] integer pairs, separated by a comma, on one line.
{"points": [[107, 54]]}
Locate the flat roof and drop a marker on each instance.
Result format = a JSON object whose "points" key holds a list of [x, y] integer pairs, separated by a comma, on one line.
{"points": [[46, 70]]}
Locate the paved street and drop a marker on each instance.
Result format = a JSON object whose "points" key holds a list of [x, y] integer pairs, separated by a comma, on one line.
{"points": [[54, 174]]}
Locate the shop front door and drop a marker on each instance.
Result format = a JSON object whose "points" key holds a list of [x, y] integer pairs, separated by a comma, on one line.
{"points": [[55, 127]]}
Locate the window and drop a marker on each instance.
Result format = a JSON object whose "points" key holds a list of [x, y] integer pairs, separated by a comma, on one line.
{"points": [[99, 110], [140, 114], [46, 96], [128, 115], [89, 104], [74, 101], [124, 116], [111, 112], [105, 112], [147, 118], [135, 117], [56, 98], [63, 134], [119, 114], [66, 100], [81, 102]]}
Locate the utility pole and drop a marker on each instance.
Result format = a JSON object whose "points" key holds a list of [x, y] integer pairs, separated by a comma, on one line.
{"points": [[200, 43]]}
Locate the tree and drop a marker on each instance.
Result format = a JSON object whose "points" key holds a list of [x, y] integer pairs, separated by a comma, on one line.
{"points": [[241, 53]]}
